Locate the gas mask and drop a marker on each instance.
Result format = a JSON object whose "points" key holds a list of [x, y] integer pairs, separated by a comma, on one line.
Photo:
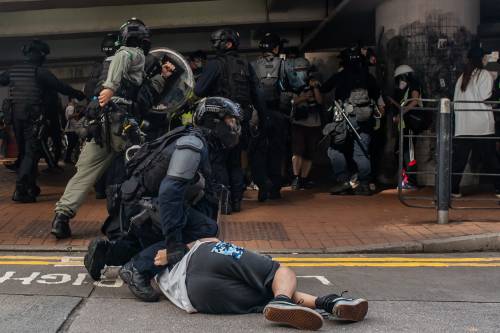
{"points": [[228, 133]]}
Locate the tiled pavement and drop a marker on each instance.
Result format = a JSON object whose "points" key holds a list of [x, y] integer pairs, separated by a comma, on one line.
{"points": [[301, 220]]}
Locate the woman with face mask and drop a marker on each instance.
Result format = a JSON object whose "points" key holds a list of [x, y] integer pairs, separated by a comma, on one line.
{"points": [[407, 87]]}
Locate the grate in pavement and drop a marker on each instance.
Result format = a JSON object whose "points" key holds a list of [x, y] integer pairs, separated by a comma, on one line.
{"points": [[248, 230], [79, 228]]}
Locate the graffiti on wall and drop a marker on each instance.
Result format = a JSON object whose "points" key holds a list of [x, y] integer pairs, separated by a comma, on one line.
{"points": [[435, 48]]}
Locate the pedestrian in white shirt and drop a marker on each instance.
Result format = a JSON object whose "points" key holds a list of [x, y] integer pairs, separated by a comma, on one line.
{"points": [[474, 119]]}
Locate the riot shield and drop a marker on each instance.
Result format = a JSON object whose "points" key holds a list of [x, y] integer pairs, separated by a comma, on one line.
{"points": [[180, 85]]}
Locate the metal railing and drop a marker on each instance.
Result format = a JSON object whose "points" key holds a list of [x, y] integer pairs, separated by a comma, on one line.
{"points": [[441, 198]]}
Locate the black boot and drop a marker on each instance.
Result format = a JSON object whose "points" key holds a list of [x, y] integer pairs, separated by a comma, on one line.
{"points": [[60, 226], [95, 259], [22, 196], [34, 191], [139, 284], [236, 206]]}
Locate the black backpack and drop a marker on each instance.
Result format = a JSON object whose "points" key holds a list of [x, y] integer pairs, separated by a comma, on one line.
{"points": [[235, 83]]}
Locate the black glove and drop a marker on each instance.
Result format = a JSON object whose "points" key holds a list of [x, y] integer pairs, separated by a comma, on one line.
{"points": [[175, 253]]}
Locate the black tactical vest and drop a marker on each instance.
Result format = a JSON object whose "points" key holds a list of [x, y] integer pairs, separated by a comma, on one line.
{"points": [[24, 88], [267, 69], [148, 167], [235, 79]]}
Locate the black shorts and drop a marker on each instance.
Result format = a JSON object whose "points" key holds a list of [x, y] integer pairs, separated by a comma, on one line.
{"points": [[223, 284], [304, 140]]}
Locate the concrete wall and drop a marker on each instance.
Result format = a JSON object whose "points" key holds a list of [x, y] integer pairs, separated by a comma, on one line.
{"points": [[392, 14]]}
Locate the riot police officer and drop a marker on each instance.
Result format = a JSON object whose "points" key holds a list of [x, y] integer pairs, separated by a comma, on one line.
{"points": [[123, 86], [176, 169], [28, 84], [358, 93], [271, 151], [229, 75]]}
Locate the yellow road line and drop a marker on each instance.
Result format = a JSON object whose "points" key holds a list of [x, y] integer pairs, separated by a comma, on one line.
{"points": [[406, 264], [31, 257], [29, 263], [388, 259]]}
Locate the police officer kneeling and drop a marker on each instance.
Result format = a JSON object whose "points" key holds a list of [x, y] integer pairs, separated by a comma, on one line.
{"points": [[178, 173]]}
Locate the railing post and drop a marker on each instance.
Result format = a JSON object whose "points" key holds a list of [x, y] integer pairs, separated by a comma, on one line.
{"points": [[443, 177]]}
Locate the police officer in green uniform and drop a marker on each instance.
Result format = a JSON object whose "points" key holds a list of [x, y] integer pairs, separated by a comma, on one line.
{"points": [[122, 87], [29, 84]]}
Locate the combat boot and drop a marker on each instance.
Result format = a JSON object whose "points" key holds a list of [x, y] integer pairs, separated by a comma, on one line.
{"points": [[95, 259], [138, 283], [60, 226], [23, 197]]}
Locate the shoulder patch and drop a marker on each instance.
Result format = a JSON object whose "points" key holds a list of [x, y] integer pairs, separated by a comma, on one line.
{"points": [[189, 142]]}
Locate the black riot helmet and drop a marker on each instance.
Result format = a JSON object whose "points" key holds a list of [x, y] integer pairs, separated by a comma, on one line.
{"points": [[352, 57], [109, 44], [269, 42], [220, 37], [36, 51], [134, 33], [221, 117]]}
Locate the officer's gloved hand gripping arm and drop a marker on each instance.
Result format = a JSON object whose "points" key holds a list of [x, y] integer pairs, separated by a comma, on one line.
{"points": [[184, 164]]}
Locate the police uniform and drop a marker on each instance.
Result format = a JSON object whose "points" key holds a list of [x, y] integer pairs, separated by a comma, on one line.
{"points": [[268, 71], [125, 75], [28, 85], [230, 76]]}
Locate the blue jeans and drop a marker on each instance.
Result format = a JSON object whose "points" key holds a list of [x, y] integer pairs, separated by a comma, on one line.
{"points": [[198, 225], [342, 156]]}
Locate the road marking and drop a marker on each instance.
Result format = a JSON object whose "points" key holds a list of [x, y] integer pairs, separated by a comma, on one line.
{"points": [[69, 261], [406, 264], [398, 259]]}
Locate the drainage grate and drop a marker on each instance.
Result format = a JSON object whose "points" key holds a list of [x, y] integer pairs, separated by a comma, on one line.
{"points": [[245, 231], [80, 228]]}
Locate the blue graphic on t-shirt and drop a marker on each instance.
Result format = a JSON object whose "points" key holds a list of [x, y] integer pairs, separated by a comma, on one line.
{"points": [[228, 249]]}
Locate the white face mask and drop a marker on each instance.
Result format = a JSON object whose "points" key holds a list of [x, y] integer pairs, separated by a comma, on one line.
{"points": [[403, 85]]}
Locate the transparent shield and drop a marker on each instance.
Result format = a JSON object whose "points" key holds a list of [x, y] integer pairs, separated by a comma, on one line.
{"points": [[179, 87]]}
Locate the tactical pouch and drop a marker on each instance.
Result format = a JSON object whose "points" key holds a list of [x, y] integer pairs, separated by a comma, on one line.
{"points": [[361, 103], [130, 189]]}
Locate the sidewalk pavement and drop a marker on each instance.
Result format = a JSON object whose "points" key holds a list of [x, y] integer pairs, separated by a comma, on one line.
{"points": [[303, 221]]}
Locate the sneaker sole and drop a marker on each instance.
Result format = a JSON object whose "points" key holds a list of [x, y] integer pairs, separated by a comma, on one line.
{"points": [[352, 311], [299, 317], [92, 265]]}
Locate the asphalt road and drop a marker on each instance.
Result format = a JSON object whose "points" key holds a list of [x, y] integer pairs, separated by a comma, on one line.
{"points": [[439, 293]]}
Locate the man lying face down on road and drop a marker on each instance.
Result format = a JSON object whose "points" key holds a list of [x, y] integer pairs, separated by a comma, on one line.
{"points": [[217, 277]]}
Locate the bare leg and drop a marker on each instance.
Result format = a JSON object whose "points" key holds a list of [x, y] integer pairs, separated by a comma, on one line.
{"points": [[297, 165], [283, 310], [306, 168], [309, 301], [285, 282]]}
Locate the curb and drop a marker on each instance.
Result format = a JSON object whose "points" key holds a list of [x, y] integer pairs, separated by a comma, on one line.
{"points": [[472, 243]]}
